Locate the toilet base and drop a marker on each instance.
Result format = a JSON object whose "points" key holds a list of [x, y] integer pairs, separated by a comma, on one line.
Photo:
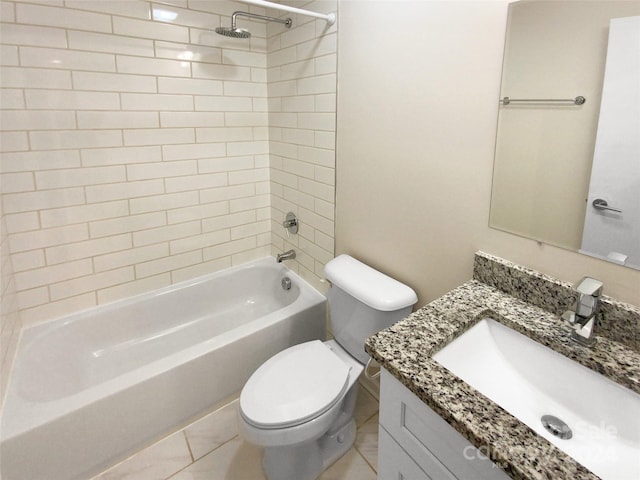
{"points": [[308, 460]]}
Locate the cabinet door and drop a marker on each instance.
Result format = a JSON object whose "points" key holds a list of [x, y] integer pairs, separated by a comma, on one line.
{"points": [[434, 445], [394, 463]]}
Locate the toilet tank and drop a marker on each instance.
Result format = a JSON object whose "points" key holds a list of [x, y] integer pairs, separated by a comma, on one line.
{"points": [[363, 301]]}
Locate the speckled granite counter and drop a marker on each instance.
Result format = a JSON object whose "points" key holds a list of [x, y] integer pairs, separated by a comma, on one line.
{"points": [[405, 350]]}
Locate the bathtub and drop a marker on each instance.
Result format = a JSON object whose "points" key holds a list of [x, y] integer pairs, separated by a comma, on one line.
{"points": [[92, 388]]}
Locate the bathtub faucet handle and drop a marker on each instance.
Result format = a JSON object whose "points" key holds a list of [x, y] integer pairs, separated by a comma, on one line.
{"points": [[290, 223]]}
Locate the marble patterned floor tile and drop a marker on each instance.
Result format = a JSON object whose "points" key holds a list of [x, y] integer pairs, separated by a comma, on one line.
{"points": [[367, 441], [213, 430], [352, 466], [158, 461], [235, 460]]}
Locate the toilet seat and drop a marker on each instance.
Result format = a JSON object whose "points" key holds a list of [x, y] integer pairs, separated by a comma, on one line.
{"points": [[294, 386]]}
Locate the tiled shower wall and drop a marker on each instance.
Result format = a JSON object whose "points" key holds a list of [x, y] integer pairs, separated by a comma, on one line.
{"points": [[138, 145]]}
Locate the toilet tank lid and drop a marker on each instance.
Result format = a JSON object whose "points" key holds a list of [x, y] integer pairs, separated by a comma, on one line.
{"points": [[368, 285]]}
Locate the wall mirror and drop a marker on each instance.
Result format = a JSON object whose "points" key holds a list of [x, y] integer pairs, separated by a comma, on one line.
{"points": [[567, 161]]}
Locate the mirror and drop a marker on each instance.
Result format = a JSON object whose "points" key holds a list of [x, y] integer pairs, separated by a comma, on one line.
{"points": [[564, 167]]}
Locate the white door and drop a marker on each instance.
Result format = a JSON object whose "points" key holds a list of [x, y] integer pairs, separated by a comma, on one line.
{"points": [[615, 175]]}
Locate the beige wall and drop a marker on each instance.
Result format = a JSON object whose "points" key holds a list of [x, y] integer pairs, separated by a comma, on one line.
{"points": [[418, 86]]}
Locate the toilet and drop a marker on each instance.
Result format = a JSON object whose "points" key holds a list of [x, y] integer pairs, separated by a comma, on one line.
{"points": [[299, 404]]}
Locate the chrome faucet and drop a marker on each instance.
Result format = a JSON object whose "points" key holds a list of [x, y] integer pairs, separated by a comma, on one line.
{"points": [[583, 312], [288, 255]]}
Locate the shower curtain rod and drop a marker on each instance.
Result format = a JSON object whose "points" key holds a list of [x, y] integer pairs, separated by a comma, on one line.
{"points": [[329, 17]]}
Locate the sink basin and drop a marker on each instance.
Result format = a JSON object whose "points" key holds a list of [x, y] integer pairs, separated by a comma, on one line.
{"points": [[530, 381]]}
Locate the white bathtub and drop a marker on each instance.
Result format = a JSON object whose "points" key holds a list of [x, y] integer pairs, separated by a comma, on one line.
{"points": [[92, 388]]}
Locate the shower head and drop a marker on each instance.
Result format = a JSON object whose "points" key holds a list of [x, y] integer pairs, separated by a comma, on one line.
{"points": [[236, 32], [233, 32]]}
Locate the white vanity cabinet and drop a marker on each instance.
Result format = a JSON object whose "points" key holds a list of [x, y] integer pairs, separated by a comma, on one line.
{"points": [[416, 444]]}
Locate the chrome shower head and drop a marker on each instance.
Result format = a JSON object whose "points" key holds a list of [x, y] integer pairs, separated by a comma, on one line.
{"points": [[233, 32], [236, 32]]}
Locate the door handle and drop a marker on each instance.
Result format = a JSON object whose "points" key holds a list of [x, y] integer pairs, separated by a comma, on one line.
{"points": [[601, 204]]}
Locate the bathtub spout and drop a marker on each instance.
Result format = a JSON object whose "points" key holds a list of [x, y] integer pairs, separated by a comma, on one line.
{"points": [[288, 255]]}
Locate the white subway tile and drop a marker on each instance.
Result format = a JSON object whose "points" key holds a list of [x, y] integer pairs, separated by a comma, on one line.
{"points": [[162, 169], [249, 176], [193, 151], [324, 175], [33, 297], [325, 139], [150, 29], [103, 119], [91, 283], [298, 198], [150, 101], [282, 57], [220, 72], [317, 84], [229, 248], [245, 89], [197, 242], [250, 230], [326, 102], [200, 269], [131, 256], [26, 202], [124, 8], [117, 191], [21, 242], [298, 103], [259, 75], [183, 16], [86, 249], [196, 182], [326, 64], [298, 136], [66, 139], [317, 121], [66, 59], [168, 264], [187, 52], [284, 88], [224, 164], [228, 221], [16, 182], [242, 58], [32, 120], [223, 104], [9, 55], [222, 134], [18, 77], [71, 100], [13, 141], [28, 161], [46, 275], [324, 208], [120, 156], [227, 193], [247, 148], [297, 167], [241, 204], [12, 98], [131, 223], [249, 255], [163, 136], [27, 260], [165, 234], [283, 120], [317, 156], [62, 17], [245, 119], [299, 34], [33, 36], [55, 217], [316, 221], [22, 222], [100, 42], [78, 177], [319, 190], [7, 12], [113, 82], [191, 86], [135, 287], [317, 47], [191, 119], [153, 66], [197, 212], [163, 202]]}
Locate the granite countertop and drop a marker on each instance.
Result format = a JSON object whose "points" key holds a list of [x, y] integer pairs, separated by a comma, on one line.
{"points": [[406, 348]]}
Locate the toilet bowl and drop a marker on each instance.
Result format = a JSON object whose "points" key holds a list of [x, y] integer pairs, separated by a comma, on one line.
{"points": [[299, 404]]}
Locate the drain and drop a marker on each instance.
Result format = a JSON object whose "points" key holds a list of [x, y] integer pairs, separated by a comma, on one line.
{"points": [[286, 283], [556, 427]]}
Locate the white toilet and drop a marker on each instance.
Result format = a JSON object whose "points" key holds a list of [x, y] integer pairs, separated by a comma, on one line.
{"points": [[299, 404]]}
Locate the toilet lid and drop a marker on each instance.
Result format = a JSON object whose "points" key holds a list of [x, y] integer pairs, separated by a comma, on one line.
{"points": [[294, 386]]}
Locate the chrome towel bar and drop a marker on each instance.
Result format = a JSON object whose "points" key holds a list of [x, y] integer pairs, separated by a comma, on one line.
{"points": [[580, 100]]}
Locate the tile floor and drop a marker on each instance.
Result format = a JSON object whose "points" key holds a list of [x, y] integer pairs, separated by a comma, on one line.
{"points": [[211, 449]]}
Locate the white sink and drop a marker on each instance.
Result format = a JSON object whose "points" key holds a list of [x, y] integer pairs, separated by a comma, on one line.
{"points": [[530, 380]]}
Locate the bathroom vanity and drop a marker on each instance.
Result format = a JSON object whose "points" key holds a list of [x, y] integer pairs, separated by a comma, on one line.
{"points": [[435, 425]]}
